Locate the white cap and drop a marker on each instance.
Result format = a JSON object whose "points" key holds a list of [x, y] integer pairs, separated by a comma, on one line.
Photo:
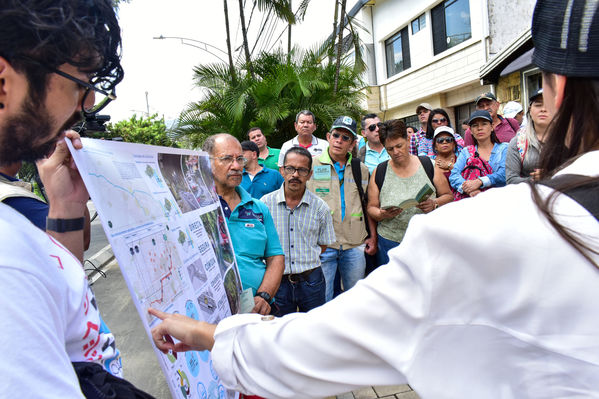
{"points": [[443, 129], [511, 109]]}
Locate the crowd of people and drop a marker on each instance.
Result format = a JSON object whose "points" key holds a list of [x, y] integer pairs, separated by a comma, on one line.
{"points": [[505, 309]]}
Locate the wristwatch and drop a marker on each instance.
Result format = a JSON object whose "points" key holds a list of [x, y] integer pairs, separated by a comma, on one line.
{"points": [[64, 225], [266, 296]]}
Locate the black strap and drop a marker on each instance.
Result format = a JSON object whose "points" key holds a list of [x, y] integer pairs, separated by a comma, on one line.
{"points": [[427, 164], [97, 383], [379, 177], [357, 172], [512, 126], [586, 195], [381, 170]]}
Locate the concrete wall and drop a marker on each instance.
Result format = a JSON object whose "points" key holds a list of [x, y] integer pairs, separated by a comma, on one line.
{"points": [[507, 20]]}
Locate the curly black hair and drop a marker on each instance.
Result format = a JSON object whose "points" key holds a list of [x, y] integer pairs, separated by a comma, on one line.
{"points": [[49, 33]]}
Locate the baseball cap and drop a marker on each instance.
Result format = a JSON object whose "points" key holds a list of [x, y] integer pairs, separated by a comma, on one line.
{"points": [[534, 95], [566, 37], [511, 109], [480, 114], [486, 96], [425, 106], [345, 122], [443, 129]]}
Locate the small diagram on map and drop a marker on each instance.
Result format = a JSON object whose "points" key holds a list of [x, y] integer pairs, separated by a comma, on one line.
{"points": [[156, 277], [170, 167], [154, 176], [199, 178], [197, 274], [216, 228], [207, 303]]}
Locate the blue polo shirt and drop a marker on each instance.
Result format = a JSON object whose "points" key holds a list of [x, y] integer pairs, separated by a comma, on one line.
{"points": [[254, 238], [264, 182]]}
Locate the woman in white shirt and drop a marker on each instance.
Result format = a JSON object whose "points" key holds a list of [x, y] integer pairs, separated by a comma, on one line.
{"points": [[507, 310]]}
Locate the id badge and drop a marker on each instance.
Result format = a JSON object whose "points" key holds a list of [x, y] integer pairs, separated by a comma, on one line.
{"points": [[322, 172]]}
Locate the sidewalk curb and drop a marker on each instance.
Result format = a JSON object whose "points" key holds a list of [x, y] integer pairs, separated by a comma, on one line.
{"points": [[100, 260]]}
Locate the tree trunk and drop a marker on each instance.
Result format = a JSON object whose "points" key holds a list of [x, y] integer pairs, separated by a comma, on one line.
{"points": [[334, 34], [289, 35], [231, 65], [246, 46], [339, 46]]}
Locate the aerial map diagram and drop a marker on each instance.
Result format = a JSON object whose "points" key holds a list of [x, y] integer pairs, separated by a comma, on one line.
{"points": [[163, 219]]}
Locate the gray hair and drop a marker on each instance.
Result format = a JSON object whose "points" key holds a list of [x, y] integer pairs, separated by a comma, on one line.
{"points": [[210, 142], [305, 112]]}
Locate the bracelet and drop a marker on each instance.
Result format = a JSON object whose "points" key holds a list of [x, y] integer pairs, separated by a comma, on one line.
{"points": [[64, 225]]}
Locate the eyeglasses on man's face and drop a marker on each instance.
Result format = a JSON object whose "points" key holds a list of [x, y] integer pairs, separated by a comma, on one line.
{"points": [[344, 137], [303, 172], [102, 97], [228, 160]]}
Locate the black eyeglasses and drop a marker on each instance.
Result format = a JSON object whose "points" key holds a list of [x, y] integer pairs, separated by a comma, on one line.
{"points": [[443, 140], [372, 127], [300, 171], [440, 120], [101, 103], [343, 136]]}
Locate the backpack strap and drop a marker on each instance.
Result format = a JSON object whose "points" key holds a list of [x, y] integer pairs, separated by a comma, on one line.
{"points": [[357, 172], [586, 195], [427, 164], [522, 146], [379, 176], [512, 126]]}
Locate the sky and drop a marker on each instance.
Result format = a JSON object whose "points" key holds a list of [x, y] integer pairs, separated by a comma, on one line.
{"points": [[164, 68]]}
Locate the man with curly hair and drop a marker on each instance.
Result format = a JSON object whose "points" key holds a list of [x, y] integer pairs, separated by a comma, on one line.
{"points": [[54, 57]]}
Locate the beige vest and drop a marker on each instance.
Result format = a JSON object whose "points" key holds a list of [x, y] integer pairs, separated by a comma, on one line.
{"points": [[11, 189], [351, 231]]}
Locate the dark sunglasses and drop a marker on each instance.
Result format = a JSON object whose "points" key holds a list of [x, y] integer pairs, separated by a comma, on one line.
{"points": [[440, 120], [443, 140], [343, 136], [372, 127]]}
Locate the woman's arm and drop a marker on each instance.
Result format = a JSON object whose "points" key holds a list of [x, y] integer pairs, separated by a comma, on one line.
{"points": [[513, 164], [374, 211], [455, 179], [497, 162]]}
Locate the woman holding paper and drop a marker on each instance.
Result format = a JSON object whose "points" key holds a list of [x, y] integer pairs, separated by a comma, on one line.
{"points": [[402, 187]]}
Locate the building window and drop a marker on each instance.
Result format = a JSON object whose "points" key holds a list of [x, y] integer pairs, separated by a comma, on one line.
{"points": [[451, 24], [418, 24], [412, 120], [397, 49], [462, 113]]}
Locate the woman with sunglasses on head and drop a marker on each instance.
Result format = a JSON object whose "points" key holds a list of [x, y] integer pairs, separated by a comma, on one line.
{"points": [[396, 182], [486, 157], [438, 117], [524, 150]]}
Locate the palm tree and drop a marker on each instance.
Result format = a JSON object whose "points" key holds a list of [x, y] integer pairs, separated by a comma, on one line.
{"points": [[281, 87]]}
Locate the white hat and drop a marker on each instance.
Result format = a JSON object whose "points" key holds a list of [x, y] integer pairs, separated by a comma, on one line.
{"points": [[443, 129], [511, 109]]}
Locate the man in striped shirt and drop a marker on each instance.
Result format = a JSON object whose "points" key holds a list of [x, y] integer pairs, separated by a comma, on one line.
{"points": [[305, 227]]}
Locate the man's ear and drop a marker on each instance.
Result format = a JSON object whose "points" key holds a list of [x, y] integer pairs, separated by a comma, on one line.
{"points": [[13, 85]]}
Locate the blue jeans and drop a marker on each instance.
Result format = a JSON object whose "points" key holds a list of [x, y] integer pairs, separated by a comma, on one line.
{"points": [[384, 246], [305, 294], [351, 264]]}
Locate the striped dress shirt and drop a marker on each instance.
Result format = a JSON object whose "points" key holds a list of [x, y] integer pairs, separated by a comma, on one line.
{"points": [[301, 230]]}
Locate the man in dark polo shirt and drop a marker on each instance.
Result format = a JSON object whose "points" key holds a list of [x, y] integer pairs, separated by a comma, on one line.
{"points": [[505, 128]]}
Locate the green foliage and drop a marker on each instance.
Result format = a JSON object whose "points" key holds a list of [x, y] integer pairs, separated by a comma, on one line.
{"points": [[281, 87], [139, 130]]}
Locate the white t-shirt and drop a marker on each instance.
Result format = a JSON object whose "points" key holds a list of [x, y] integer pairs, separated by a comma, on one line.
{"points": [[48, 315], [317, 147], [482, 299]]}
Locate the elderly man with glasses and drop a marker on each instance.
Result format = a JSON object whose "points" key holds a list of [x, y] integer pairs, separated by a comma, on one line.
{"points": [[373, 152], [305, 229], [258, 251], [341, 182]]}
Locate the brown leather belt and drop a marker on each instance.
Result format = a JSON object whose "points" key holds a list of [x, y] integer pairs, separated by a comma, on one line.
{"points": [[297, 277]]}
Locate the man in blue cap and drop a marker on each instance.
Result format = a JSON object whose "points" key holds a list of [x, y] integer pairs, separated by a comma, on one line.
{"points": [[335, 179]]}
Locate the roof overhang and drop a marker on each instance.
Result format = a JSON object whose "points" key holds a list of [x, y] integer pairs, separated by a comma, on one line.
{"points": [[490, 72]]}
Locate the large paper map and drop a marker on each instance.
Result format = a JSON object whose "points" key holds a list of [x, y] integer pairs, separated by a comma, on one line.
{"points": [[162, 216]]}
